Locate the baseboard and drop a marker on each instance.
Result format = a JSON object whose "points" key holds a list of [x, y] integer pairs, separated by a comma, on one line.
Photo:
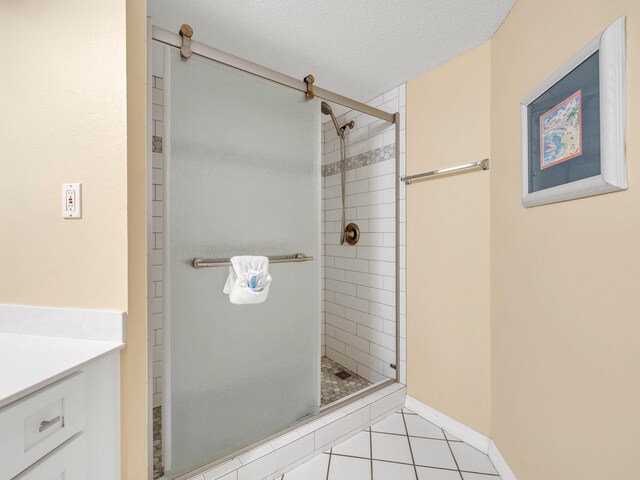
{"points": [[455, 428], [500, 463], [464, 433]]}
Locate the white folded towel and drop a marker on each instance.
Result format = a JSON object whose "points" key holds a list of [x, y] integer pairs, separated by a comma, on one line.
{"points": [[248, 280]]}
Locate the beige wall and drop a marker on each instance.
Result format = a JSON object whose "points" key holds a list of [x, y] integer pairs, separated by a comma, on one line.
{"points": [[63, 104], [565, 277], [136, 394], [448, 329], [63, 118], [565, 327]]}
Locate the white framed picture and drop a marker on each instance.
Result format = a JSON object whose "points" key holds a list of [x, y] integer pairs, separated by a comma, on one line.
{"points": [[573, 125]]}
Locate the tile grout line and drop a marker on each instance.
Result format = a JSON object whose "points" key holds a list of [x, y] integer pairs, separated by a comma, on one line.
{"points": [[495, 476], [418, 436], [451, 450], [329, 463], [413, 460], [371, 451], [402, 463]]}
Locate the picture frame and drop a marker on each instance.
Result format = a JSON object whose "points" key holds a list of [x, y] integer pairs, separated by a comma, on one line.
{"points": [[573, 125]]}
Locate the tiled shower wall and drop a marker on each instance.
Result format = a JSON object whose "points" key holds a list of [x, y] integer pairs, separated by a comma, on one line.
{"points": [[359, 282], [156, 256]]}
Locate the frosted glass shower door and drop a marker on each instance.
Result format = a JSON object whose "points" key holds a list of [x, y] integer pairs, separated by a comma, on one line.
{"points": [[243, 178]]}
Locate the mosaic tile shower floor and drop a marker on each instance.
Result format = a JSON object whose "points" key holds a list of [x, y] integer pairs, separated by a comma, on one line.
{"points": [[332, 389], [158, 469]]}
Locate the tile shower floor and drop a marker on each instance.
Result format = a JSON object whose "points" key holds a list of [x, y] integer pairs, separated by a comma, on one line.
{"points": [[404, 446], [332, 389], [158, 469]]}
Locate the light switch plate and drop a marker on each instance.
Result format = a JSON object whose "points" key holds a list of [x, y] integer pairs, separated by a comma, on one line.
{"points": [[71, 200]]}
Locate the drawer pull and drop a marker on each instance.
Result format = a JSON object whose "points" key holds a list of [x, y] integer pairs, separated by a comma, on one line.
{"points": [[48, 423]]}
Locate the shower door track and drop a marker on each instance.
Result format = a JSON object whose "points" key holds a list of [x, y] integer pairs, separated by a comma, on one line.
{"points": [[175, 40]]}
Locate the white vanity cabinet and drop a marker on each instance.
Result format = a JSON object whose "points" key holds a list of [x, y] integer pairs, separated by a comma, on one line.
{"points": [[67, 462], [60, 393], [43, 421], [66, 430]]}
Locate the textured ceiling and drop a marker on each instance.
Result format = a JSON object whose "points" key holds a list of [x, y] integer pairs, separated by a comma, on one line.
{"points": [[358, 48]]}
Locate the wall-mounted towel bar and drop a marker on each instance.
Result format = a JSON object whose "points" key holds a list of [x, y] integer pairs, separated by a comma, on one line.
{"points": [[484, 164], [221, 262]]}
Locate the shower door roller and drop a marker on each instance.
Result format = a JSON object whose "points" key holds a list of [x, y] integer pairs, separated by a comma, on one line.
{"points": [[352, 234]]}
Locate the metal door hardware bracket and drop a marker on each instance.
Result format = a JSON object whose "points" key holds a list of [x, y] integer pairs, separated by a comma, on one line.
{"points": [[186, 32], [309, 79]]}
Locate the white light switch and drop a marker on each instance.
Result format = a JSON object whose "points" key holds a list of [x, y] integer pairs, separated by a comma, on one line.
{"points": [[71, 200]]}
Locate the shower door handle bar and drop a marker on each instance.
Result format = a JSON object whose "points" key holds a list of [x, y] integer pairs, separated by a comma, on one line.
{"points": [[484, 164], [222, 262]]}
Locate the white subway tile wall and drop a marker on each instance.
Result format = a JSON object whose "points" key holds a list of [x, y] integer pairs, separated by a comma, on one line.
{"points": [[156, 255], [359, 282]]}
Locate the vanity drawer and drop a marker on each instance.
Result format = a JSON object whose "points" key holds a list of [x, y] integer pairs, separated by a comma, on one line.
{"points": [[67, 462], [34, 426]]}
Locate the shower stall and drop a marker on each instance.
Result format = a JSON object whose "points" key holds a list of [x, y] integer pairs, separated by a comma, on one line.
{"points": [[248, 161]]}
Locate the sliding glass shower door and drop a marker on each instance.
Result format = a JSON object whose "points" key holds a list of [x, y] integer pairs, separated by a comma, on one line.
{"points": [[243, 178]]}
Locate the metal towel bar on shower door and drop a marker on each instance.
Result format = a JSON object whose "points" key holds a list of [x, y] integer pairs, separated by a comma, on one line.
{"points": [[221, 262]]}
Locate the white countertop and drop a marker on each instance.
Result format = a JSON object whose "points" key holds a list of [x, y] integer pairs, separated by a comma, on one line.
{"points": [[41, 345], [30, 362]]}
